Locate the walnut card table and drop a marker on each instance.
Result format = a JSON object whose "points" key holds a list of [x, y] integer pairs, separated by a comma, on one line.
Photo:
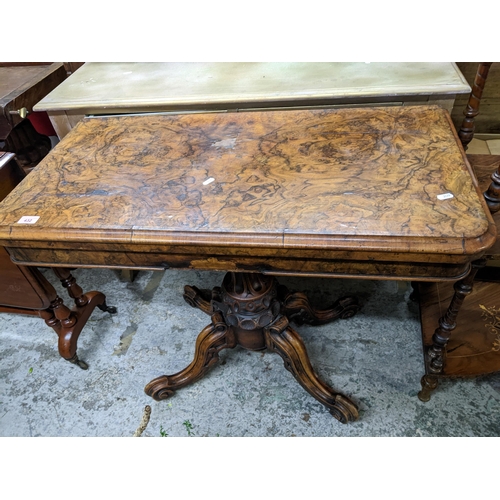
{"points": [[376, 193]]}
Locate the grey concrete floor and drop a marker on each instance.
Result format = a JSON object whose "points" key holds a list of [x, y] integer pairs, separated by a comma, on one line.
{"points": [[374, 357]]}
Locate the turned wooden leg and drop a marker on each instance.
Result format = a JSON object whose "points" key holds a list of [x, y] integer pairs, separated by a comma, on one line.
{"points": [[72, 287], [466, 131], [436, 353], [212, 339], [297, 308], [286, 342], [76, 293]]}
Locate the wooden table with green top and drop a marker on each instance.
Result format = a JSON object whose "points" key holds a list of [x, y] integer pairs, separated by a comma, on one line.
{"points": [[375, 193], [149, 87]]}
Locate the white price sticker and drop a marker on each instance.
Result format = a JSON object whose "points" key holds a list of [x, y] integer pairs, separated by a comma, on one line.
{"points": [[444, 196], [28, 219]]}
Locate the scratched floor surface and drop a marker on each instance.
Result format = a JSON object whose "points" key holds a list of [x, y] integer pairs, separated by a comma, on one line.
{"points": [[374, 357]]}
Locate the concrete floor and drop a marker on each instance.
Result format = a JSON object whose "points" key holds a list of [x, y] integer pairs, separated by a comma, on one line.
{"points": [[374, 357]]}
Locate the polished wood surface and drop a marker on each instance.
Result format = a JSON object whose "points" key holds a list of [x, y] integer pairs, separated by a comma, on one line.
{"points": [[311, 190]]}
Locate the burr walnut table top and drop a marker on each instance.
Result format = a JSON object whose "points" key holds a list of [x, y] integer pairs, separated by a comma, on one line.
{"points": [[361, 191]]}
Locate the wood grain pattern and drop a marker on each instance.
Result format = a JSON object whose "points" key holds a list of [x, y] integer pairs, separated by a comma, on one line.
{"points": [[359, 181]]}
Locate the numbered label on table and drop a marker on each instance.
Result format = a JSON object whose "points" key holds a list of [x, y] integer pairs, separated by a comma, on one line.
{"points": [[28, 219]]}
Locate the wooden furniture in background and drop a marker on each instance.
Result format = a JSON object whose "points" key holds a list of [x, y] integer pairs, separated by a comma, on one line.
{"points": [[474, 347], [22, 85], [126, 88], [466, 134], [376, 193], [25, 290], [488, 121]]}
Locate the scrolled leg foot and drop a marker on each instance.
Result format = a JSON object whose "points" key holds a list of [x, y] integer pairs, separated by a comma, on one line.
{"points": [[212, 339], [344, 409]]}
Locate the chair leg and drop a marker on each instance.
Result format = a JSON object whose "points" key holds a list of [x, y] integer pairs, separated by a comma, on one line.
{"points": [[466, 132], [436, 353]]}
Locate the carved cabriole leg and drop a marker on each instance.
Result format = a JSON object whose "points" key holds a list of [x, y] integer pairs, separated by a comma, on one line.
{"points": [[283, 340], [436, 353], [492, 194], [212, 339], [69, 282], [466, 132]]}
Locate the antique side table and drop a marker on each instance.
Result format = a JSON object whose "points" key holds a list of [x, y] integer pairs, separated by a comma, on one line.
{"points": [[22, 85], [376, 193]]}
